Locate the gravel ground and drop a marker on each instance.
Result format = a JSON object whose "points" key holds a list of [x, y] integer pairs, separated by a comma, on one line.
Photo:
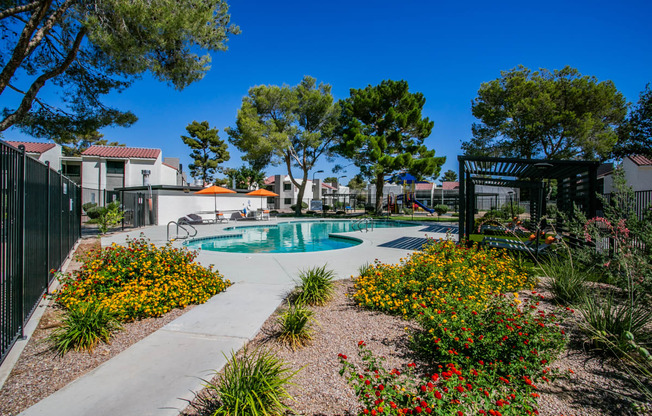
{"points": [[594, 388]]}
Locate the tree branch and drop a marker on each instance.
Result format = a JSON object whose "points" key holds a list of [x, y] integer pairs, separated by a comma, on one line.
{"points": [[21, 46], [29, 41], [30, 95], [18, 9]]}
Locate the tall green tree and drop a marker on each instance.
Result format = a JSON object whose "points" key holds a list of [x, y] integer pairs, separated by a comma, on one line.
{"points": [[208, 151], [556, 114], [357, 183], [245, 177], [73, 144], [635, 134], [288, 125], [449, 176], [83, 50], [330, 179], [382, 131]]}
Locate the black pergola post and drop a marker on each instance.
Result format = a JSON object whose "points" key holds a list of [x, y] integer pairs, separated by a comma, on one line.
{"points": [[461, 196]]}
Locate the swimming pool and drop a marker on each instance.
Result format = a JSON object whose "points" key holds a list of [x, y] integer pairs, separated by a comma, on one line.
{"points": [[288, 237]]}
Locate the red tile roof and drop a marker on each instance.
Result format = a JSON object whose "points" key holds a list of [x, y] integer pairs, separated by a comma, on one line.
{"points": [[122, 152], [170, 166], [327, 186], [423, 186], [32, 147], [269, 180], [641, 160], [450, 185]]}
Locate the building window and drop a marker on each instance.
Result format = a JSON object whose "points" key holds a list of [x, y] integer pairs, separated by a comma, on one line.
{"points": [[287, 201], [287, 186], [115, 167], [71, 170]]}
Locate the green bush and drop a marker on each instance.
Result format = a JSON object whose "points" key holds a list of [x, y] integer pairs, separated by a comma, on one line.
{"points": [[84, 325], [567, 281], [519, 341], [88, 206], [316, 286], [610, 324], [252, 384], [441, 209], [295, 322], [106, 217], [303, 206], [408, 211]]}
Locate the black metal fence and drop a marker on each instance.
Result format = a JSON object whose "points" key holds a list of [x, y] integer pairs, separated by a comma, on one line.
{"points": [[642, 202], [138, 208], [40, 222]]}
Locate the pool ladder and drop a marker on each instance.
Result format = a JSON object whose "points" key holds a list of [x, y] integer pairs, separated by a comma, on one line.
{"points": [[364, 223], [181, 225]]}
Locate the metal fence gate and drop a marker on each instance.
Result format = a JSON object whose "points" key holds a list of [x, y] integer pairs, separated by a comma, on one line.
{"points": [[40, 222]]}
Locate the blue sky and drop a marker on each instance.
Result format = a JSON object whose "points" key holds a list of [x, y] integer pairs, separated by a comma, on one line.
{"points": [[443, 49]]}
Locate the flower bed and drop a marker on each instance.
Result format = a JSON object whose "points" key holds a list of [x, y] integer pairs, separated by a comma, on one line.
{"points": [[491, 348], [140, 280], [442, 270]]}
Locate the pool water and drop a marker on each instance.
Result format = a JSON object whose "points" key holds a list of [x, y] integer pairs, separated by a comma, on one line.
{"points": [[289, 237]]}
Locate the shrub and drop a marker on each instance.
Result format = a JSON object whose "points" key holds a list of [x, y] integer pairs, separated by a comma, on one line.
{"points": [[326, 207], [295, 323], [567, 282], [610, 325], [106, 217], [449, 391], [84, 325], [303, 206], [408, 211], [87, 206], [252, 384], [442, 269], [140, 280], [316, 286], [441, 209], [514, 340]]}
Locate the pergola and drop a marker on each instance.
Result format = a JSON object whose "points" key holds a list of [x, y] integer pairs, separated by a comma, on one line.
{"points": [[576, 184]]}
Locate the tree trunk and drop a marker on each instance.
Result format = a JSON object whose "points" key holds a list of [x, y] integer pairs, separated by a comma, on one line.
{"points": [[302, 190], [379, 193]]}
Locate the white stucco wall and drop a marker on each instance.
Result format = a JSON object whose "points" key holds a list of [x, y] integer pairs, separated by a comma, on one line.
{"points": [[168, 175], [173, 207], [93, 172], [638, 177], [53, 156], [134, 168]]}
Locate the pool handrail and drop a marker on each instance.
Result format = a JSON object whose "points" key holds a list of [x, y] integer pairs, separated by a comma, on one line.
{"points": [[180, 224]]}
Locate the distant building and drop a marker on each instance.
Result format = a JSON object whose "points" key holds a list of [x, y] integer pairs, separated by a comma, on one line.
{"points": [[44, 152], [638, 174], [289, 193], [105, 168]]}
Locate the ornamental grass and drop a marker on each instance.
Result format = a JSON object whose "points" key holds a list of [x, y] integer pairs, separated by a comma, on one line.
{"points": [[140, 280], [440, 271]]}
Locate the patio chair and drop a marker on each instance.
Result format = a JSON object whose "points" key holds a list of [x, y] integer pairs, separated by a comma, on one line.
{"points": [[237, 216], [193, 219]]}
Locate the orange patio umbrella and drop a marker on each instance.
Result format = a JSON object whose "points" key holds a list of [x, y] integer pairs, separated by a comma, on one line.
{"points": [[215, 190], [262, 193]]}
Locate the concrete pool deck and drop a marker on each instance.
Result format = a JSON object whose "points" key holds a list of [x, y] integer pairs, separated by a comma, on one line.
{"points": [[158, 375]]}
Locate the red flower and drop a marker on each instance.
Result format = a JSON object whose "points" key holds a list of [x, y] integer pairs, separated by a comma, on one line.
{"points": [[438, 395]]}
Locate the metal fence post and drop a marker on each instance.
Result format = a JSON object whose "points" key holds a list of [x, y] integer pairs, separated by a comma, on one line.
{"points": [[21, 212], [47, 227]]}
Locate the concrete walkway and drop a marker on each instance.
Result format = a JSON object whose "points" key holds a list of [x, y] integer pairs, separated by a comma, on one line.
{"points": [[158, 374]]}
